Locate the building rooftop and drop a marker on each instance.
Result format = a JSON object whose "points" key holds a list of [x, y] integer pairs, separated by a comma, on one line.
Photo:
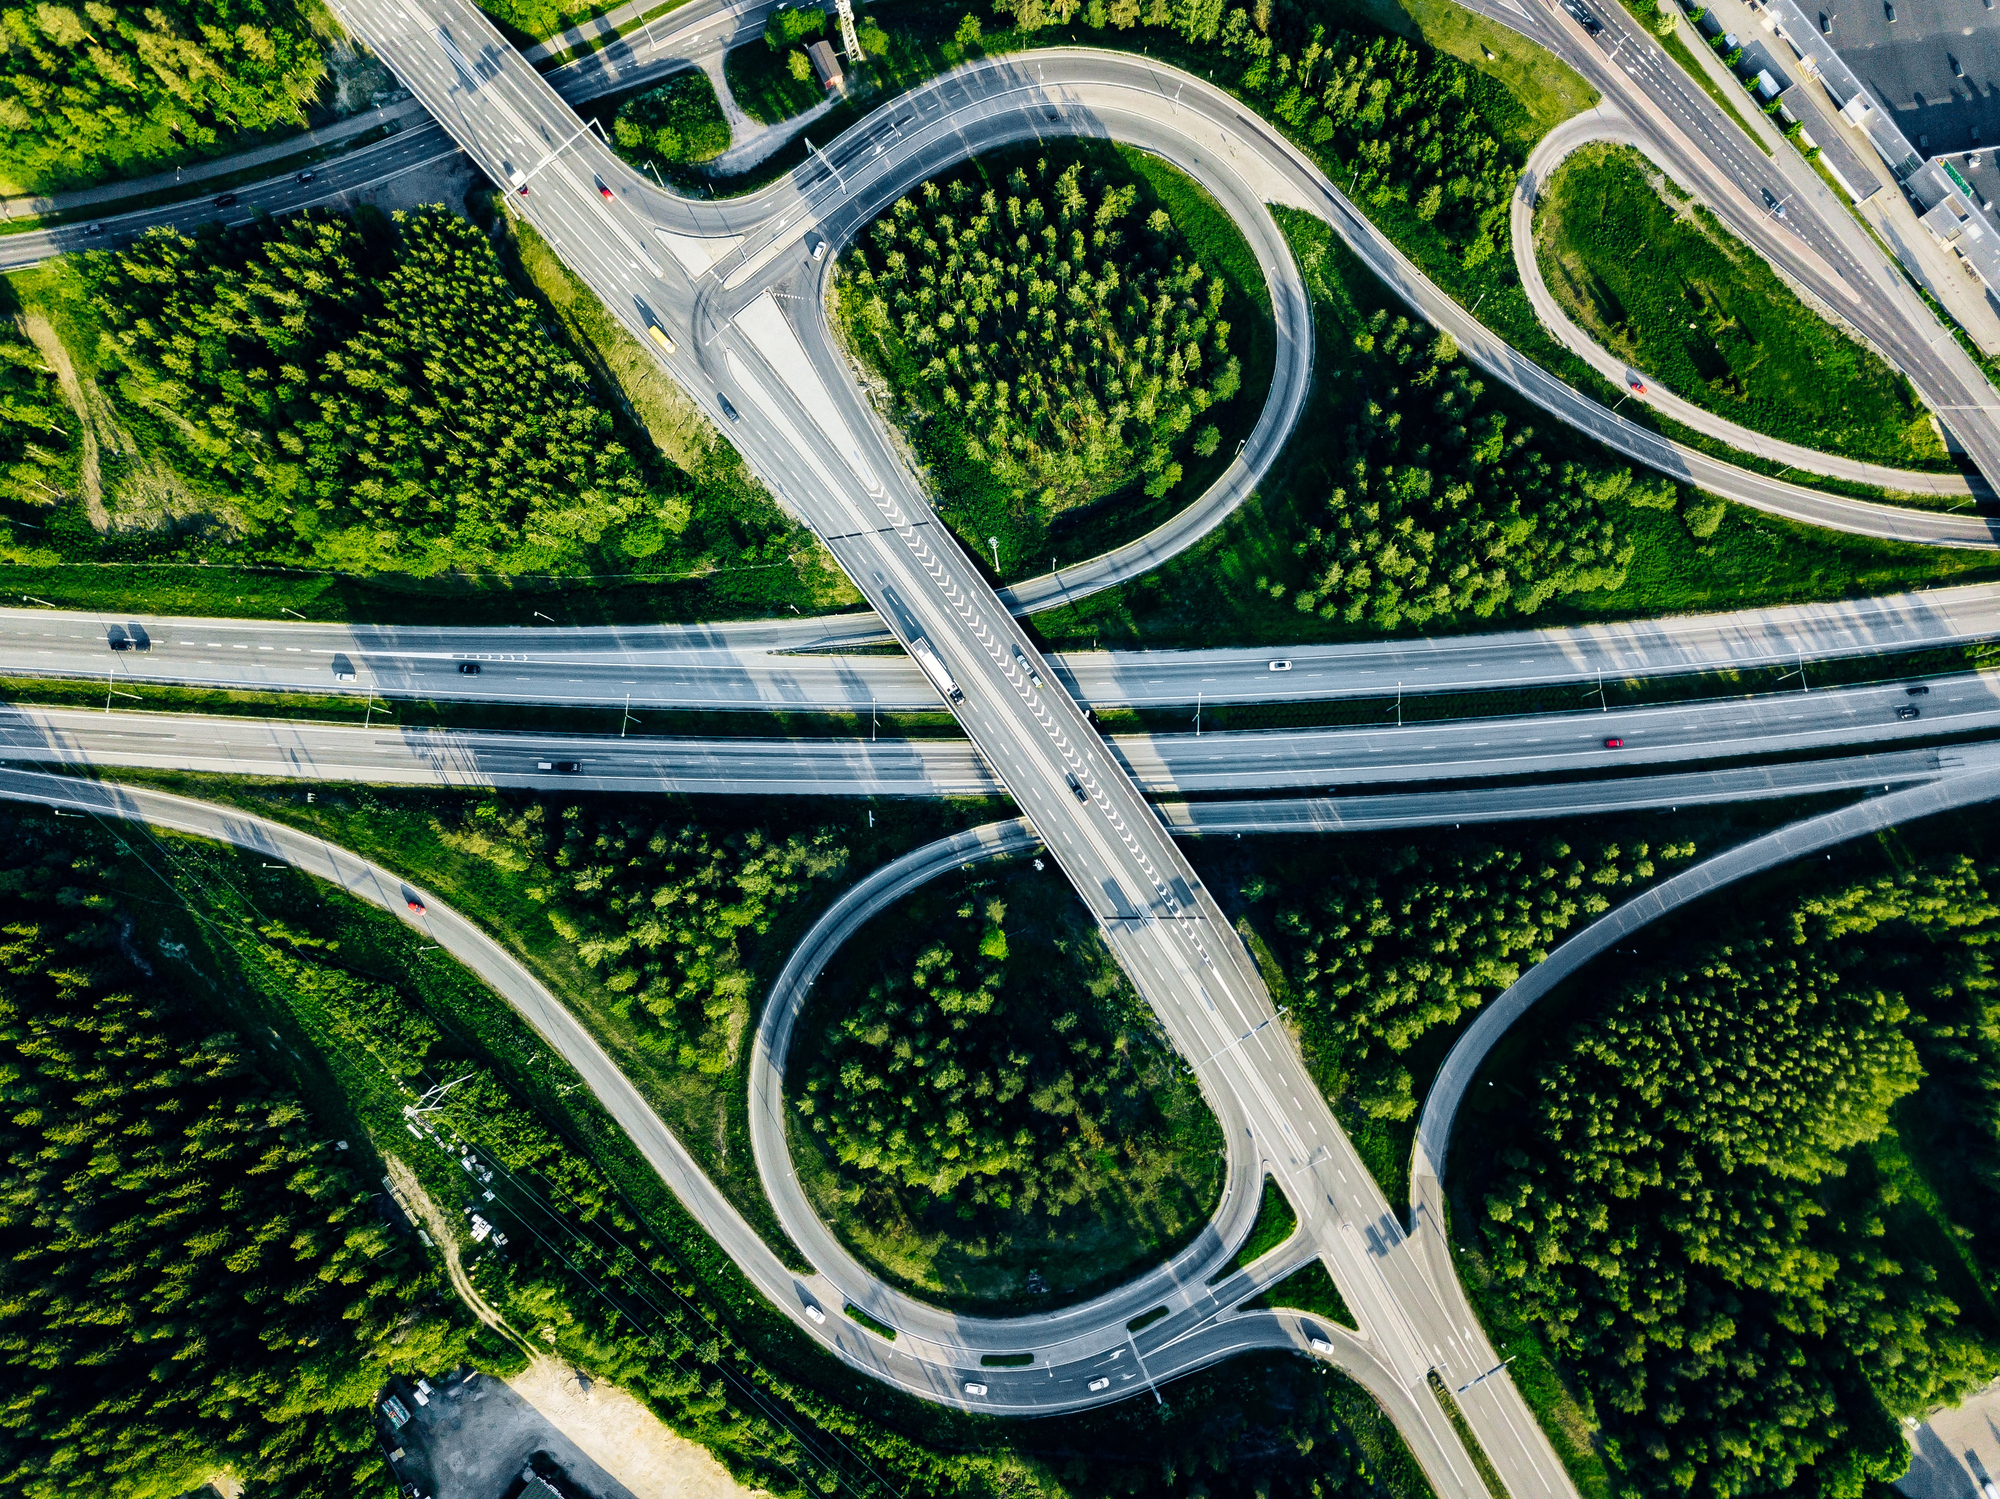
{"points": [[1935, 69]]}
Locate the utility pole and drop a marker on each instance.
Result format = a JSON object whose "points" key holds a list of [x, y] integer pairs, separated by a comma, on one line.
{"points": [[1197, 713], [994, 542], [850, 40]]}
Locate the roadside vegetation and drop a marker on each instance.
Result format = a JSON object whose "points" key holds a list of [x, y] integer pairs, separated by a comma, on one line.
{"points": [[1057, 339], [997, 1125], [1658, 281], [94, 91], [678, 123], [39, 450], [602, 1268], [1543, 487], [376, 400], [1746, 1185], [774, 79]]}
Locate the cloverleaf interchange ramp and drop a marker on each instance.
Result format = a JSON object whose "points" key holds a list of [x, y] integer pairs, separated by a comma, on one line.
{"points": [[801, 426]]}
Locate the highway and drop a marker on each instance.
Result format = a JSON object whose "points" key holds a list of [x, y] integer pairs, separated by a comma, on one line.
{"points": [[783, 397], [807, 664], [1667, 734], [717, 276]]}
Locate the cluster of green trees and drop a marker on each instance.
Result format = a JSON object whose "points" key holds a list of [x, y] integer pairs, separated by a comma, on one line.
{"points": [[95, 90], [1065, 347], [191, 1279], [37, 451], [935, 1084], [1410, 124], [1439, 509], [1702, 1203], [1413, 938], [361, 395], [658, 907], [678, 122]]}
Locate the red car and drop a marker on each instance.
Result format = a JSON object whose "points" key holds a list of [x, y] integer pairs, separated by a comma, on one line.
{"points": [[1638, 386], [1614, 744], [416, 906], [603, 192]]}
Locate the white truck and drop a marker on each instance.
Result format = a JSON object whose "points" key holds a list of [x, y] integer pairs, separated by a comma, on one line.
{"points": [[935, 669]]}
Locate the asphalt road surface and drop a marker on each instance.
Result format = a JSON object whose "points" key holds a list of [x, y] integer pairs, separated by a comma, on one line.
{"points": [[1703, 730], [797, 664]]}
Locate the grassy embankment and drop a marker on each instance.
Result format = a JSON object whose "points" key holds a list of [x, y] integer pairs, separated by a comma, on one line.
{"points": [[1654, 278]]}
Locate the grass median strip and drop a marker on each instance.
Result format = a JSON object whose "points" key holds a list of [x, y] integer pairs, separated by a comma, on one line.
{"points": [[875, 1325], [1488, 1475], [1275, 1223]]}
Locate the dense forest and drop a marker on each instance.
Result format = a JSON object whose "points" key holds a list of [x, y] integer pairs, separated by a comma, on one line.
{"points": [[37, 445], [369, 395], [95, 90], [680, 121], [193, 1278], [658, 907], [1060, 344], [1001, 1084], [1709, 1201], [1383, 946]]}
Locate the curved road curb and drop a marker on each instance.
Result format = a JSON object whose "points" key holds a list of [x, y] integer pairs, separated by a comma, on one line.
{"points": [[1607, 125]]}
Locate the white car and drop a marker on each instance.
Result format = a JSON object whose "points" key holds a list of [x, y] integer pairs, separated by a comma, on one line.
{"points": [[1099, 1384], [1323, 1348], [1281, 666], [975, 1389], [818, 1316]]}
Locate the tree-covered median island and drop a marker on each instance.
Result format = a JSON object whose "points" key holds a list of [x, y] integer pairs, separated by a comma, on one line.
{"points": [[603, 1269], [1658, 281], [1750, 1195], [981, 1106], [1060, 338], [374, 397], [678, 123], [92, 91]]}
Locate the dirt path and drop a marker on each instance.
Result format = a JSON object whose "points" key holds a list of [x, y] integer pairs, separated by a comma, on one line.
{"points": [[42, 334]]}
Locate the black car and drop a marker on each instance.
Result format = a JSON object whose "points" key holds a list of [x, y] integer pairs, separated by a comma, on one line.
{"points": [[95, 229], [727, 409], [560, 767], [1920, 690], [1908, 710], [1076, 788], [227, 200], [306, 176], [468, 668], [1584, 18]]}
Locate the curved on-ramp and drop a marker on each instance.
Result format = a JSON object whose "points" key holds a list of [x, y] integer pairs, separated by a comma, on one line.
{"points": [[1608, 126]]}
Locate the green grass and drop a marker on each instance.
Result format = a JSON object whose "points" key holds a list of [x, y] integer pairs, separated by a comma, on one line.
{"points": [[762, 82], [980, 1257], [1487, 1474], [1006, 1360], [974, 503], [1308, 1289], [875, 1325], [1145, 1319], [1209, 594], [1275, 1223], [1657, 280]]}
